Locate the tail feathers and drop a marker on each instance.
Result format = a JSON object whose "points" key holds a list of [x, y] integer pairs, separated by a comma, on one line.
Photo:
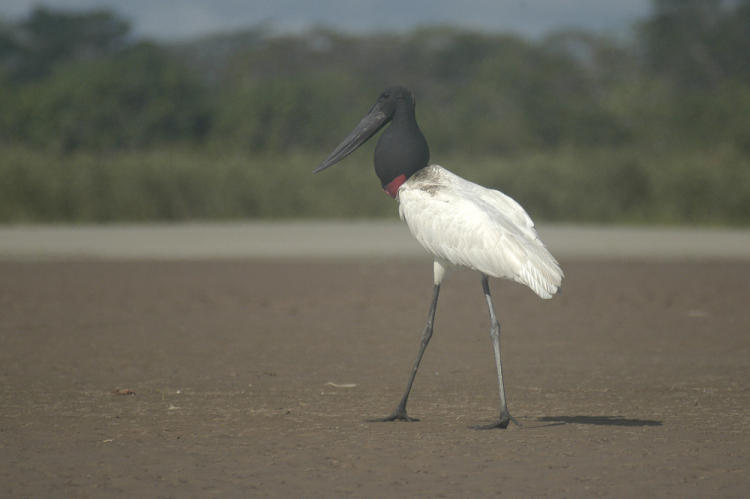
{"points": [[541, 273]]}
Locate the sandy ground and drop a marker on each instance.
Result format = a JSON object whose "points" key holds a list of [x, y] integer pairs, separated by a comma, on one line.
{"points": [[345, 240], [247, 377]]}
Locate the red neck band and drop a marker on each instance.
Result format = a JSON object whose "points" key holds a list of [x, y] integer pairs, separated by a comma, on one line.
{"points": [[392, 188]]}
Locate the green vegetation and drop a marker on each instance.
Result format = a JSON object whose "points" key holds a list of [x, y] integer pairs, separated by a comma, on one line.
{"points": [[624, 185], [96, 126]]}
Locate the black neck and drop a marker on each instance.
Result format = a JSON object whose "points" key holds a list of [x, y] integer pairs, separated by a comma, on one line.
{"points": [[401, 149]]}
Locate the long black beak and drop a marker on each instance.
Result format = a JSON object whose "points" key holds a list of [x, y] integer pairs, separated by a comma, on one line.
{"points": [[366, 128]]}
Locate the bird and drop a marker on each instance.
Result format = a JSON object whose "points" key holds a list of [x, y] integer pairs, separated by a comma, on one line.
{"points": [[463, 225]]}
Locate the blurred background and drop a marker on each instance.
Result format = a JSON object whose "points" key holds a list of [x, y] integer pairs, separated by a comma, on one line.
{"points": [[618, 111]]}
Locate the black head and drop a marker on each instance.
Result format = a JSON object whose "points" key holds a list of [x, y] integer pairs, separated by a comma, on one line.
{"points": [[394, 98], [401, 150]]}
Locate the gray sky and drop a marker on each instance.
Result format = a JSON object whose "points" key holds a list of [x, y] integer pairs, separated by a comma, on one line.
{"points": [[177, 19]]}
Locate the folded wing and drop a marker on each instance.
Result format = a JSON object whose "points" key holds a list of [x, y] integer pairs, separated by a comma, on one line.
{"points": [[468, 225]]}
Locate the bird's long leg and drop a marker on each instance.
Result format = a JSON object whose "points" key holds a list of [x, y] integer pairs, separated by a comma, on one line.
{"points": [[505, 416], [400, 413]]}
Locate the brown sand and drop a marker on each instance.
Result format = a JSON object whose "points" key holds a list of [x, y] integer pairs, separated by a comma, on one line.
{"points": [[256, 378]]}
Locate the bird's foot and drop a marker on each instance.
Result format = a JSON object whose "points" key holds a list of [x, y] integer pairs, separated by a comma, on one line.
{"points": [[398, 415], [501, 423]]}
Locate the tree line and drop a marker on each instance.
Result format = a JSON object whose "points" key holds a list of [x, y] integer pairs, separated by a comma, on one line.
{"points": [[81, 83]]}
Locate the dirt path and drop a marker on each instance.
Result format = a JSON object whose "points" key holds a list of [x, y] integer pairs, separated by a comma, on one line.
{"points": [[256, 378]]}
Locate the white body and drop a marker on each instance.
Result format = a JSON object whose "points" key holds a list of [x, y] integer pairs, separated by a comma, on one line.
{"points": [[466, 225]]}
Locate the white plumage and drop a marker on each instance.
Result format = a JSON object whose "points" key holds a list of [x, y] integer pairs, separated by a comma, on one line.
{"points": [[466, 225]]}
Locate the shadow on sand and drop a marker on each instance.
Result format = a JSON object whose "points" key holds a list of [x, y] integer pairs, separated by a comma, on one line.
{"points": [[600, 420]]}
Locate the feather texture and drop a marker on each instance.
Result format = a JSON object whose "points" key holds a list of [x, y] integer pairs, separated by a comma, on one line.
{"points": [[466, 225]]}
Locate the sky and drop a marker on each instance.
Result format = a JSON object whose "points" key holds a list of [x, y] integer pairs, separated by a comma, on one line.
{"points": [[182, 19]]}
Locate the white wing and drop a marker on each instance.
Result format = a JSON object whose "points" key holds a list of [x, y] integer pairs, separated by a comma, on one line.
{"points": [[482, 229]]}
